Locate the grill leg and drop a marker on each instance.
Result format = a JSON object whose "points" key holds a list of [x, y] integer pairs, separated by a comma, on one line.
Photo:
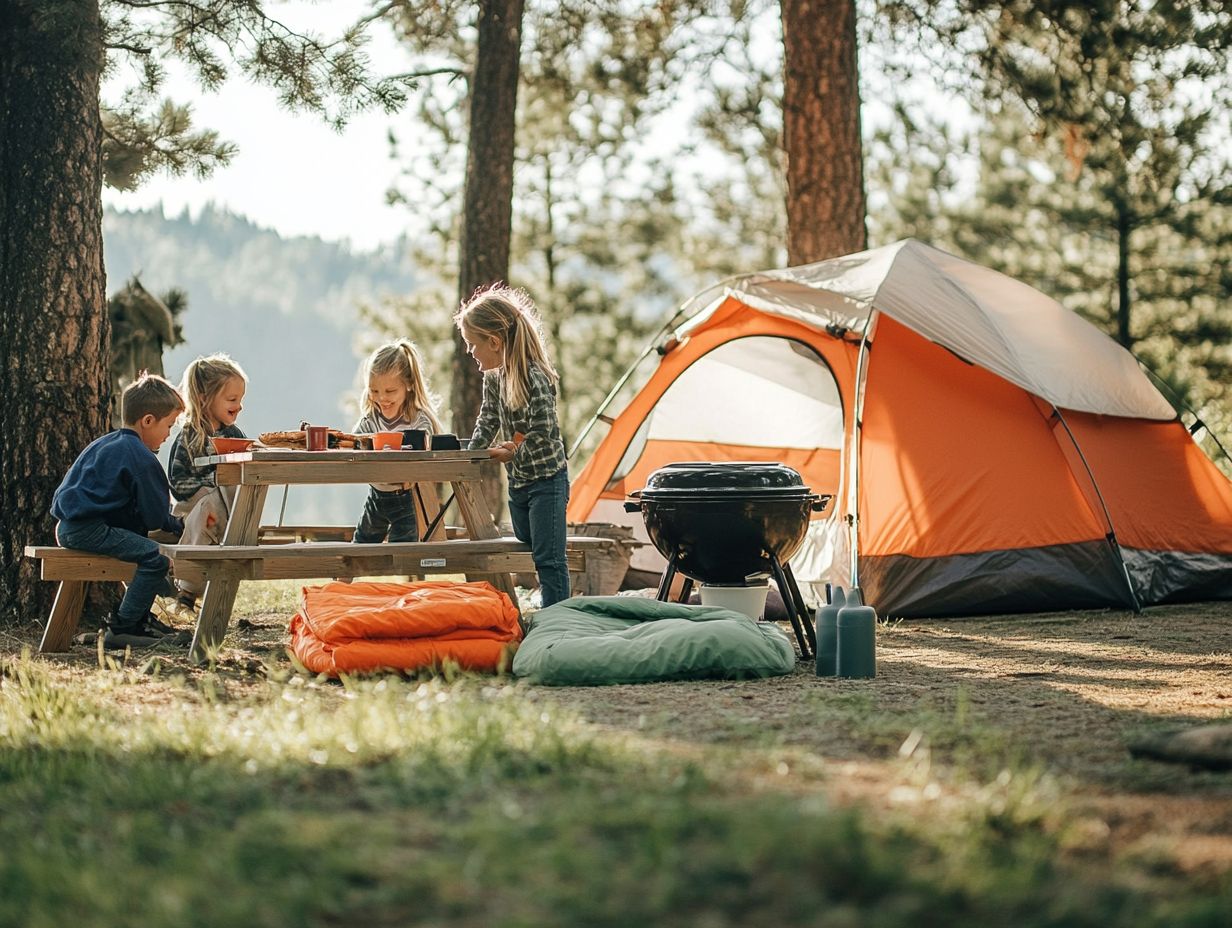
{"points": [[795, 609], [801, 608], [685, 589], [665, 585]]}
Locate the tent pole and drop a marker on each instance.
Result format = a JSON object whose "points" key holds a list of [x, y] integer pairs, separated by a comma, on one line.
{"points": [[683, 314], [607, 401], [853, 451], [1180, 406], [1111, 536]]}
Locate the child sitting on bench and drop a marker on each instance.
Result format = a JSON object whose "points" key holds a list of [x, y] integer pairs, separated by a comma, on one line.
{"points": [[214, 387], [114, 495]]}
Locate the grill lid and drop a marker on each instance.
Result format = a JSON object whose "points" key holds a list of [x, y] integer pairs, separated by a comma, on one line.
{"points": [[693, 479]]}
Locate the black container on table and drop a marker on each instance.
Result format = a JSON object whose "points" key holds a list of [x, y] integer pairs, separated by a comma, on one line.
{"points": [[718, 522], [415, 439], [445, 441]]}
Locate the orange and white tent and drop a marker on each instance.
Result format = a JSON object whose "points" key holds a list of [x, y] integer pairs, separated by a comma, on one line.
{"points": [[989, 450]]}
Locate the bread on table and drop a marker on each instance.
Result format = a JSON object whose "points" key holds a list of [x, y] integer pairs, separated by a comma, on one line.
{"points": [[298, 438]]}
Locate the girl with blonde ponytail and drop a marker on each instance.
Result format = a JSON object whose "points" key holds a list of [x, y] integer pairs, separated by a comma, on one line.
{"points": [[213, 390], [518, 421]]}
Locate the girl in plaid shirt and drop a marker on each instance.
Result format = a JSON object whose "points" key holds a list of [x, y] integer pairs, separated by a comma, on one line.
{"points": [[501, 329]]}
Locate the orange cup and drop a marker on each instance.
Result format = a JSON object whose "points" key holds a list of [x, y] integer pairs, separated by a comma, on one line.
{"points": [[386, 441]]}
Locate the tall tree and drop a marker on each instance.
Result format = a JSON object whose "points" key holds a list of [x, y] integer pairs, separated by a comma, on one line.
{"points": [[54, 330], [821, 130], [57, 146], [487, 198]]}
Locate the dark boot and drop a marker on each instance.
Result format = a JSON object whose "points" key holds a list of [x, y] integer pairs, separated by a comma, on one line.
{"points": [[139, 634]]}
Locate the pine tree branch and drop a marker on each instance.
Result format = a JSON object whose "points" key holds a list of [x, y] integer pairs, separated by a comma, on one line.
{"points": [[379, 13], [430, 72]]}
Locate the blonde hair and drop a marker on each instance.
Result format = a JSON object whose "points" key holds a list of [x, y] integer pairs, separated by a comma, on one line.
{"points": [[204, 379], [509, 314], [401, 358], [149, 395]]}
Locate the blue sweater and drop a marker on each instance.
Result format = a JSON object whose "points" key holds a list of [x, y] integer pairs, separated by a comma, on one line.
{"points": [[119, 480]]}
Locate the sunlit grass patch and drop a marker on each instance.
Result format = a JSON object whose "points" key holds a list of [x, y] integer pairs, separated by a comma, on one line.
{"points": [[945, 726], [261, 597], [131, 798]]}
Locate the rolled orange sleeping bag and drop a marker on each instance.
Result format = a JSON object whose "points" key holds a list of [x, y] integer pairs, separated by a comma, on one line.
{"points": [[372, 625]]}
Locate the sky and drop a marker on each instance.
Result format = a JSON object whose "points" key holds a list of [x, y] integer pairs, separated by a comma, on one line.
{"points": [[292, 173]]}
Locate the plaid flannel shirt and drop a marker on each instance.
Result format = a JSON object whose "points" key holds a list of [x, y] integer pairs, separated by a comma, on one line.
{"points": [[184, 476], [542, 454]]}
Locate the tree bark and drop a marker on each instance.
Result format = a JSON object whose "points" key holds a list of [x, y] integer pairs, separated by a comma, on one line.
{"points": [[487, 207], [821, 130], [54, 330], [1124, 229]]}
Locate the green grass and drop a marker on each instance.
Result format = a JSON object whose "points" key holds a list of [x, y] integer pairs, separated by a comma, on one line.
{"points": [[128, 799]]}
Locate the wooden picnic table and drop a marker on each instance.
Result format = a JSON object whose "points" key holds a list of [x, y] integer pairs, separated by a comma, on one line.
{"points": [[254, 471]]}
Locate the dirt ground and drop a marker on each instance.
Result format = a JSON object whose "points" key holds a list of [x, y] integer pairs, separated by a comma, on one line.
{"points": [[1054, 700]]}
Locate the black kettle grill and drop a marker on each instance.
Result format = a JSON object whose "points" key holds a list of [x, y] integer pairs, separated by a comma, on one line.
{"points": [[721, 523]]}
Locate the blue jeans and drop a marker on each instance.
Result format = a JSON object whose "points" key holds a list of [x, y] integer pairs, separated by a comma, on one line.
{"points": [[387, 512], [151, 580], [537, 511]]}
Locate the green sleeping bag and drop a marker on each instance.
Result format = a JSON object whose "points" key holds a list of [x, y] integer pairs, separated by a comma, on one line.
{"points": [[592, 640]]}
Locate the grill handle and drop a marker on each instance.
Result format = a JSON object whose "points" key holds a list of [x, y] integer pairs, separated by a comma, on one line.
{"points": [[633, 504], [819, 503]]}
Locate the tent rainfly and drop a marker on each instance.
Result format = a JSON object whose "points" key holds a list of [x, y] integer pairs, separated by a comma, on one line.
{"points": [[990, 451]]}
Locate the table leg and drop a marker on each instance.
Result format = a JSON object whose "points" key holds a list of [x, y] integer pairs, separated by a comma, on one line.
{"points": [[219, 594], [478, 519], [65, 614], [427, 508]]}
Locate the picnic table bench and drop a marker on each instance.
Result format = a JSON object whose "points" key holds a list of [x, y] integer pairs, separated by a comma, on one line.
{"points": [[290, 561]]}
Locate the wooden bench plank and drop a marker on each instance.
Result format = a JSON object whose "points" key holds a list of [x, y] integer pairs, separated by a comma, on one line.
{"points": [[285, 534], [347, 564], [68, 563], [58, 563], [307, 560]]}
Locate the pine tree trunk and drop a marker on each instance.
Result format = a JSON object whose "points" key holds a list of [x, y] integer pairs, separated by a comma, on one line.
{"points": [[53, 319], [821, 130], [1124, 228], [488, 195]]}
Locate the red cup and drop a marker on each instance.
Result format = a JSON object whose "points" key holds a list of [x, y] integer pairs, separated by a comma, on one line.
{"points": [[317, 437]]}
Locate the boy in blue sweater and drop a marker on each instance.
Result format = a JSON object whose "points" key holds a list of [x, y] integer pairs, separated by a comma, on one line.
{"points": [[114, 495]]}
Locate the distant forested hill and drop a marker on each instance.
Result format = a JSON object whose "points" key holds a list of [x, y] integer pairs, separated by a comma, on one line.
{"points": [[285, 309]]}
